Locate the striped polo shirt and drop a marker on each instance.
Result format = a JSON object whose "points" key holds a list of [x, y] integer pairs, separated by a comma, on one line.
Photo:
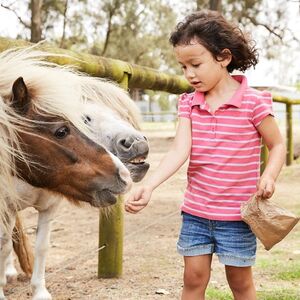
{"points": [[225, 157]]}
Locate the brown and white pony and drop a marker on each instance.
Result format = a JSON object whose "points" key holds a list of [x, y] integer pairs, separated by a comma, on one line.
{"points": [[48, 111]]}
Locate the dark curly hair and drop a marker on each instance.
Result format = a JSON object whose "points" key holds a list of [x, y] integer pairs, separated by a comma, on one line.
{"points": [[213, 32]]}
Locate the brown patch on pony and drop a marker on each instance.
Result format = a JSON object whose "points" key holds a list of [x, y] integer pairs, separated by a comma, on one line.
{"points": [[22, 248]]}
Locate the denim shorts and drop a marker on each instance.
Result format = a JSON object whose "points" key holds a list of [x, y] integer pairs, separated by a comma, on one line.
{"points": [[232, 241]]}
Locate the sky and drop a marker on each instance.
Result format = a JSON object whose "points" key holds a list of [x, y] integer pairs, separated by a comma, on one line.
{"points": [[284, 70]]}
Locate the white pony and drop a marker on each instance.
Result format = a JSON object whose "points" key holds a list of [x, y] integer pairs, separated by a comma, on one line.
{"points": [[108, 116]]}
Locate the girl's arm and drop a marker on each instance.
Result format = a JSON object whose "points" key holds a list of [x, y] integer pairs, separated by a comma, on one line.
{"points": [[172, 161], [277, 152]]}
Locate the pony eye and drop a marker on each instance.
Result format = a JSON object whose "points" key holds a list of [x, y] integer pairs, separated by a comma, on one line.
{"points": [[62, 132]]}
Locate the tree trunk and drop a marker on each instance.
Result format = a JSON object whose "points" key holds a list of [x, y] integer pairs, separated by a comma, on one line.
{"points": [[36, 20], [108, 32], [212, 4], [215, 5], [112, 9], [62, 41]]}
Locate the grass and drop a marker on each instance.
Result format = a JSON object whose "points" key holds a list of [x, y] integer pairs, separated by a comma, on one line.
{"points": [[275, 294], [289, 272], [278, 268], [280, 278], [216, 294], [266, 263], [278, 294]]}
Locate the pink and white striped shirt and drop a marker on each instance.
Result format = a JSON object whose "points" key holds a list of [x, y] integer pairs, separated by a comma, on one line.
{"points": [[225, 156]]}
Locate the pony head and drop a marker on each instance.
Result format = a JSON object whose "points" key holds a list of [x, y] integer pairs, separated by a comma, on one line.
{"points": [[44, 139], [119, 136], [62, 159], [46, 133]]}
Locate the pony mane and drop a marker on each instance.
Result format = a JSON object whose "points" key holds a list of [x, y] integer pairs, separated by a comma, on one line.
{"points": [[54, 90], [9, 151], [109, 94]]}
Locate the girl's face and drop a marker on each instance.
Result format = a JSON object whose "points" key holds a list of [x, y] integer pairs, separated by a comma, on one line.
{"points": [[199, 66]]}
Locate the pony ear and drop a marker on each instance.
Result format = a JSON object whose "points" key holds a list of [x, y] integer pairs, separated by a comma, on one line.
{"points": [[20, 100]]}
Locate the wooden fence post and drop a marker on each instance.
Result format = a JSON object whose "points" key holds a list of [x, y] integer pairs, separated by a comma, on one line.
{"points": [[110, 258], [289, 134]]}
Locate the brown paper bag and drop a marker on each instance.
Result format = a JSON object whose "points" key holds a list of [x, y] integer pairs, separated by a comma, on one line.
{"points": [[269, 222]]}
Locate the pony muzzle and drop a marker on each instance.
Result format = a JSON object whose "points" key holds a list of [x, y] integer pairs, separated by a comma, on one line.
{"points": [[104, 198]]}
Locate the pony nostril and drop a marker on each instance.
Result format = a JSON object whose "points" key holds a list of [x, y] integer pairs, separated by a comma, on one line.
{"points": [[126, 143], [145, 138], [123, 142]]}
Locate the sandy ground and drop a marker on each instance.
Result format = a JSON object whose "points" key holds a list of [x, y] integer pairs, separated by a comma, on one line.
{"points": [[151, 262]]}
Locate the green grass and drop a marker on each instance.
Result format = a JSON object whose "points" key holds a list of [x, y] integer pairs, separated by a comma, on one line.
{"points": [[277, 273], [290, 271], [215, 294], [282, 294], [267, 263], [279, 269], [276, 294]]}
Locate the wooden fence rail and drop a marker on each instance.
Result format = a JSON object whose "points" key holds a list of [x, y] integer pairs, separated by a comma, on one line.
{"points": [[131, 76]]}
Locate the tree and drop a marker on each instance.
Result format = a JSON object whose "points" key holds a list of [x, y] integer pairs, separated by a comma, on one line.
{"points": [[212, 4], [44, 14], [36, 20], [144, 26], [253, 14], [137, 31]]}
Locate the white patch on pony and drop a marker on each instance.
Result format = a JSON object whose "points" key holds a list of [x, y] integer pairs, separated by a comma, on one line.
{"points": [[10, 270], [123, 172]]}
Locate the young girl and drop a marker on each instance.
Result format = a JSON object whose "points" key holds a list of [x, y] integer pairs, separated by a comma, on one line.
{"points": [[220, 128]]}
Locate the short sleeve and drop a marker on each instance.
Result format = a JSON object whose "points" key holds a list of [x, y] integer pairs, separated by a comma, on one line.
{"points": [[262, 108], [184, 106]]}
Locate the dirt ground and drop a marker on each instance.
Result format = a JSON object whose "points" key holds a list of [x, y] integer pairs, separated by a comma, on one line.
{"points": [[152, 269]]}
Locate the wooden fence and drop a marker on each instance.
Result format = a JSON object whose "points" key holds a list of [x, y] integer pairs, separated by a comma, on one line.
{"points": [[131, 76]]}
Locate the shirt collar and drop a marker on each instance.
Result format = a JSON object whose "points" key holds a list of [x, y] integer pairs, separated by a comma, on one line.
{"points": [[236, 99]]}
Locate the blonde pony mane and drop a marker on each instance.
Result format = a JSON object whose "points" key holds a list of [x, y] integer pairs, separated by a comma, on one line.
{"points": [[109, 94], [9, 151], [54, 90]]}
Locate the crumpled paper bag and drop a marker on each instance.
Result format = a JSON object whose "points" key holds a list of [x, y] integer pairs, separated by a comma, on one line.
{"points": [[269, 222]]}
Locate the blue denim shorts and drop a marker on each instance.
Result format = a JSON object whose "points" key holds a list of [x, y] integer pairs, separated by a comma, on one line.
{"points": [[232, 241]]}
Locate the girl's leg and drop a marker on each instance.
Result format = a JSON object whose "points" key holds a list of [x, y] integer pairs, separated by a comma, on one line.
{"points": [[196, 276], [241, 282]]}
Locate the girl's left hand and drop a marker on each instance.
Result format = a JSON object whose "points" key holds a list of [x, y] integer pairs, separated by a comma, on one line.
{"points": [[265, 187]]}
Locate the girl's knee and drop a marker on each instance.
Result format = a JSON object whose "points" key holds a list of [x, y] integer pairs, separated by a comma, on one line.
{"points": [[197, 272], [240, 286], [240, 279], [196, 279]]}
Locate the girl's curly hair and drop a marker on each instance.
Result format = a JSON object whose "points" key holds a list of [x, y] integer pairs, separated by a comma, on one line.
{"points": [[212, 31]]}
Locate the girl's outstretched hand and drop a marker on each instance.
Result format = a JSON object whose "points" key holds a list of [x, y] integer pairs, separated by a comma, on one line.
{"points": [[138, 199]]}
